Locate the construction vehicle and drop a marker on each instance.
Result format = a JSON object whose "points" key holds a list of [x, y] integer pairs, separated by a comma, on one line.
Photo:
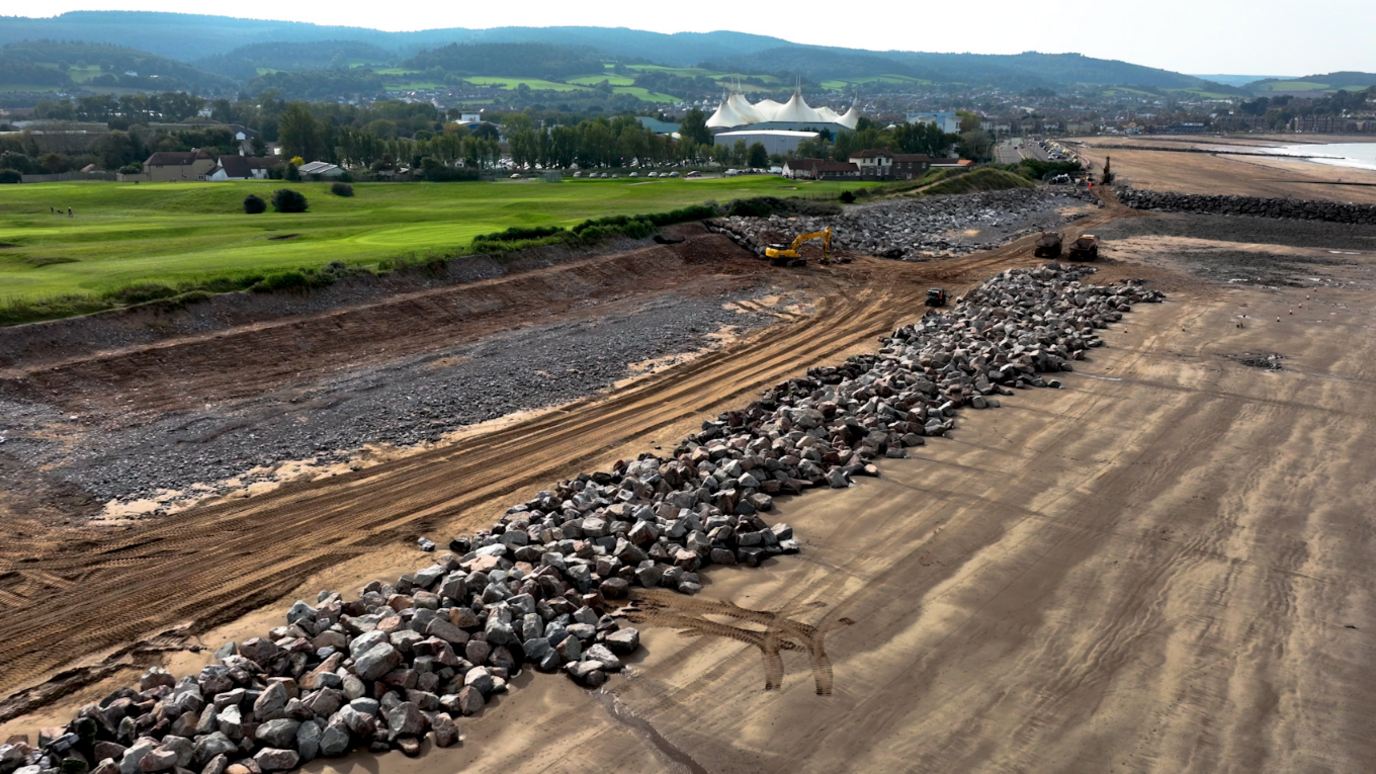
{"points": [[779, 255], [936, 297], [1048, 245], [1086, 248]]}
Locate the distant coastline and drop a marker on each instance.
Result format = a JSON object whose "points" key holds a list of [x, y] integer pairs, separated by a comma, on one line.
{"points": [[1356, 155]]}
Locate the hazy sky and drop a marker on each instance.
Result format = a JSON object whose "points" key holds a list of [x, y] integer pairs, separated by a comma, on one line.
{"points": [[1248, 37]]}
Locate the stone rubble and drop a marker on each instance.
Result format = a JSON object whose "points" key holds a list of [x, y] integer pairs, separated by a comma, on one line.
{"points": [[407, 659], [1218, 204], [915, 229]]}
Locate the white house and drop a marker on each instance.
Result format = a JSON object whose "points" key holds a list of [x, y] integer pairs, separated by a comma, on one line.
{"points": [[949, 122], [240, 168]]}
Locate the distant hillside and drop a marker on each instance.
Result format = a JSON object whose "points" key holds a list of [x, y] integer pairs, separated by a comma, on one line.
{"points": [[1016, 71], [1314, 83], [520, 60], [248, 62], [308, 60], [1240, 81], [192, 37], [59, 65]]}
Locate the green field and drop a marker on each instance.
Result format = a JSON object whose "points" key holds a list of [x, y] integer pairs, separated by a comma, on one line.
{"points": [[645, 94], [184, 234], [1292, 86], [593, 80], [534, 83], [83, 74], [841, 83], [1109, 92]]}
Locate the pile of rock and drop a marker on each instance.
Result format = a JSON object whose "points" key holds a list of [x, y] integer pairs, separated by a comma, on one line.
{"points": [[915, 229], [1215, 204], [406, 659]]}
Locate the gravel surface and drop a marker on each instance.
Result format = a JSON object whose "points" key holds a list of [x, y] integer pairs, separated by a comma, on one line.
{"points": [[1271, 267], [920, 228], [407, 402], [1292, 233]]}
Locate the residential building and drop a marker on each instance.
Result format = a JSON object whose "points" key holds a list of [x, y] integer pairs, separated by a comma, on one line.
{"points": [[820, 169], [171, 166], [241, 168], [949, 122], [879, 164]]}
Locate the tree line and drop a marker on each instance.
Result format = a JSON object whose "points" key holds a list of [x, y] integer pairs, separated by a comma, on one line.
{"points": [[389, 135]]}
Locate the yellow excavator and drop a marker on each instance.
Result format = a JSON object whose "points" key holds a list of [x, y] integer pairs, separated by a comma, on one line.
{"points": [[779, 255]]}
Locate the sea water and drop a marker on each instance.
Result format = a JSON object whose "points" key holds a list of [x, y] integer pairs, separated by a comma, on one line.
{"points": [[1361, 155]]}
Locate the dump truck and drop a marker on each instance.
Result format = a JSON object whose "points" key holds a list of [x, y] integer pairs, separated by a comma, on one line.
{"points": [[780, 255], [1048, 245], [1086, 248]]}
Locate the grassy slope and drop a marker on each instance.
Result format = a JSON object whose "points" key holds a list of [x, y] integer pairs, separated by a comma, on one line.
{"points": [[180, 233], [978, 180]]}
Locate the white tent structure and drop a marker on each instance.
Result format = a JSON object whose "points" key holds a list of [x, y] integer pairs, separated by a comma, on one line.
{"points": [[736, 111]]}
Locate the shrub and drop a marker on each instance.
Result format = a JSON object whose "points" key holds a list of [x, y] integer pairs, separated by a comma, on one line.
{"points": [[10, 176], [132, 168], [281, 281], [140, 292], [519, 234], [254, 204], [443, 174], [847, 197], [293, 174], [287, 200], [342, 189]]}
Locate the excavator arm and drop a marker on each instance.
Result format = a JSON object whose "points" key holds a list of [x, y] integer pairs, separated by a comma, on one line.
{"points": [[791, 252]]}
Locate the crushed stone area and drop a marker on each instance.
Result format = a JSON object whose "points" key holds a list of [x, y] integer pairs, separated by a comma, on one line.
{"points": [[415, 400], [1247, 251], [922, 228]]}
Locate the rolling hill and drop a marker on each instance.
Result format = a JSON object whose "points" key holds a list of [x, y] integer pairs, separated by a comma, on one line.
{"points": [[1314, 83], [243, 49], [58, 65]]}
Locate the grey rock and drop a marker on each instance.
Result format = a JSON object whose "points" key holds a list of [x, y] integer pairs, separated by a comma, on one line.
{"points": [[308, 739], [377, 661], [271, 759], [278, 733], [335, 740], [623, 641]]}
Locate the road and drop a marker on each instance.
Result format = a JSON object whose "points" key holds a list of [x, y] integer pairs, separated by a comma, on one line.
{"points": [[1013, 150]]}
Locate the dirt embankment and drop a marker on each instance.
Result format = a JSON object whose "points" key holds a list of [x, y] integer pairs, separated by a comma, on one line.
{"points": [[251, 358]]}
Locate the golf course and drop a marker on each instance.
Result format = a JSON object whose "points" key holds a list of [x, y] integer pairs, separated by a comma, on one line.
{"points": [[195, 235]]}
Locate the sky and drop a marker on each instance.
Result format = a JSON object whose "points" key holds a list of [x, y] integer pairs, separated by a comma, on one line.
{"points": [[1244, 37]]}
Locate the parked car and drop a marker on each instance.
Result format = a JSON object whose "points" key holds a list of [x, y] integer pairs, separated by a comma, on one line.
{"points": [[694, 173]]}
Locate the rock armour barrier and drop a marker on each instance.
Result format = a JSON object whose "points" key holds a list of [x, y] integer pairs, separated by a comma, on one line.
{"points": [[404, 660], [1213, 204]]}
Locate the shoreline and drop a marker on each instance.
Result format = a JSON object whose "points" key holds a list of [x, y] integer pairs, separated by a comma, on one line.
{"points": [[1308, 151]]}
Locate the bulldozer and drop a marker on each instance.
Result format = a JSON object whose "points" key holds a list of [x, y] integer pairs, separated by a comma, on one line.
{"points": [[936, 297], [1086, 248], [779, 255]]}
